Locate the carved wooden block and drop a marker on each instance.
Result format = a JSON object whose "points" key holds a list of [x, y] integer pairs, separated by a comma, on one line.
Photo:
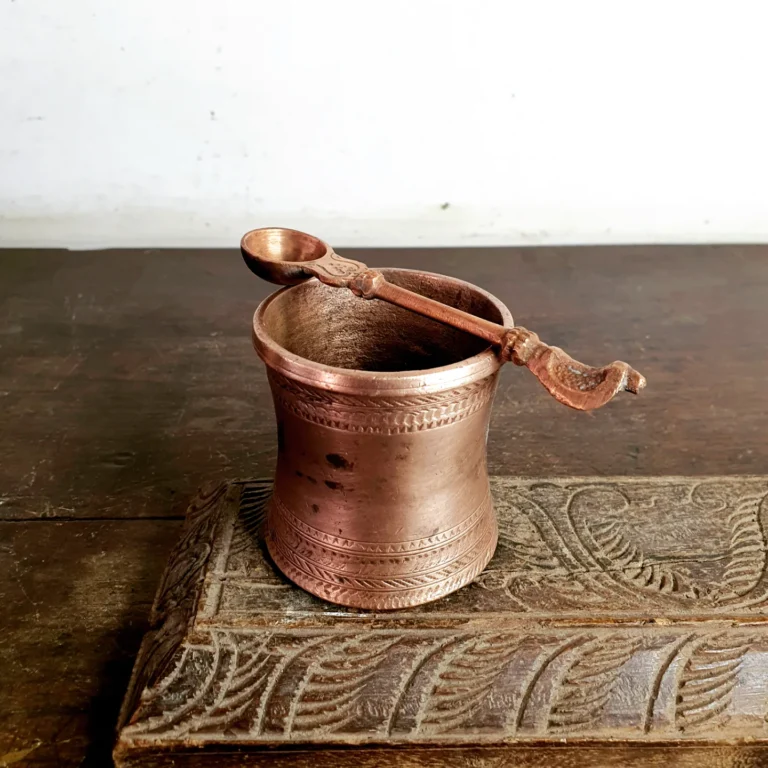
{"points": [[621, 621]]}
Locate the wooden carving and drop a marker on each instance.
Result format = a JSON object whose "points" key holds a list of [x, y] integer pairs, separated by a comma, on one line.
{"points": [[613, 609]]}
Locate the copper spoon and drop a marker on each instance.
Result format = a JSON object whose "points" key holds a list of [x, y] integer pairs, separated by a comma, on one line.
{"points": [[288, 257]]}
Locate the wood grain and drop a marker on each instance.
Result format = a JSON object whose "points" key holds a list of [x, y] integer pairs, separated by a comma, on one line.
{"points": [[609, 756], [127, 380], [76, 596]]}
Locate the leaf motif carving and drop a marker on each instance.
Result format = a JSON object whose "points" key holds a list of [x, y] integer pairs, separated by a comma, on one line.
{"points": [[588, 682], [208, 688], [326, 696], [189, 556], [253, 509], [246, 673], [520, 536], [174, 603], [707, 679], [747, 550], [287, 686], [526, 555], [213, 687], [461, 681], [631, 565]]}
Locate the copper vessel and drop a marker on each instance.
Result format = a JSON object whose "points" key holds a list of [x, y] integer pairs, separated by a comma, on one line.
{"points": [[381, 496]]}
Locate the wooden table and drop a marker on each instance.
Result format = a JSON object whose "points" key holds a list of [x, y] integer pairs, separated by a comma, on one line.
{"points": [[127, 379]]}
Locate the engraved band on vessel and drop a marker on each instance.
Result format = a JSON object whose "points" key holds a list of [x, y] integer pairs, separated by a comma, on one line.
{"points": [[290, 532], [334, 541], [381, 414], [380, 594]]}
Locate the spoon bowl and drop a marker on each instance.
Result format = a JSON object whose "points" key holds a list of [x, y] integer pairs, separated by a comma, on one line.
{"points": [[279, 255]]}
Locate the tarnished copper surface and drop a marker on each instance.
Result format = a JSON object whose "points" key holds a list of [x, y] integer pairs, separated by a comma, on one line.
{"points": [[381, 496], [287, 257], [381, 492]]}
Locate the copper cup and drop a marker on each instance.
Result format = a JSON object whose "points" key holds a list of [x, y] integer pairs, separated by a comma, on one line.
{"points": [[381, 497]]}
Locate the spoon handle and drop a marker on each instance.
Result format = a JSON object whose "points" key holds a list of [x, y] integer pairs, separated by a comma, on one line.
{"points": [[371, 284], [570, 382]]}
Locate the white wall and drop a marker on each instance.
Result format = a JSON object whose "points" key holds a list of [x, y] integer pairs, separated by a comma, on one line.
{"points": [[186, 122]]}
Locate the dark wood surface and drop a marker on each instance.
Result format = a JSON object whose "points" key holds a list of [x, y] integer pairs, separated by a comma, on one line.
{"points": [[127, 380]]}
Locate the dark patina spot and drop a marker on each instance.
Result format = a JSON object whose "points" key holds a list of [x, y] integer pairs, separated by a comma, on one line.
{"points": [[338, 461]]}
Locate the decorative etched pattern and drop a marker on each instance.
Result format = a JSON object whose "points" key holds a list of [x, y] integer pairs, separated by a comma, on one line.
{"points": [[707, 680], [177, 596], [342, 687], [336, 270], [672, 544], [680, 546], [382, 592], [328, 696], [614, 551], [381, 415], [614, 609], [252, 515], [373, 572], [589, 681], [747, 550], [462, 681], [399, 549]]}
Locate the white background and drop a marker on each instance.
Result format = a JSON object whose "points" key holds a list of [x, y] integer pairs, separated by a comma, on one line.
{"points": [[183, 122]]}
